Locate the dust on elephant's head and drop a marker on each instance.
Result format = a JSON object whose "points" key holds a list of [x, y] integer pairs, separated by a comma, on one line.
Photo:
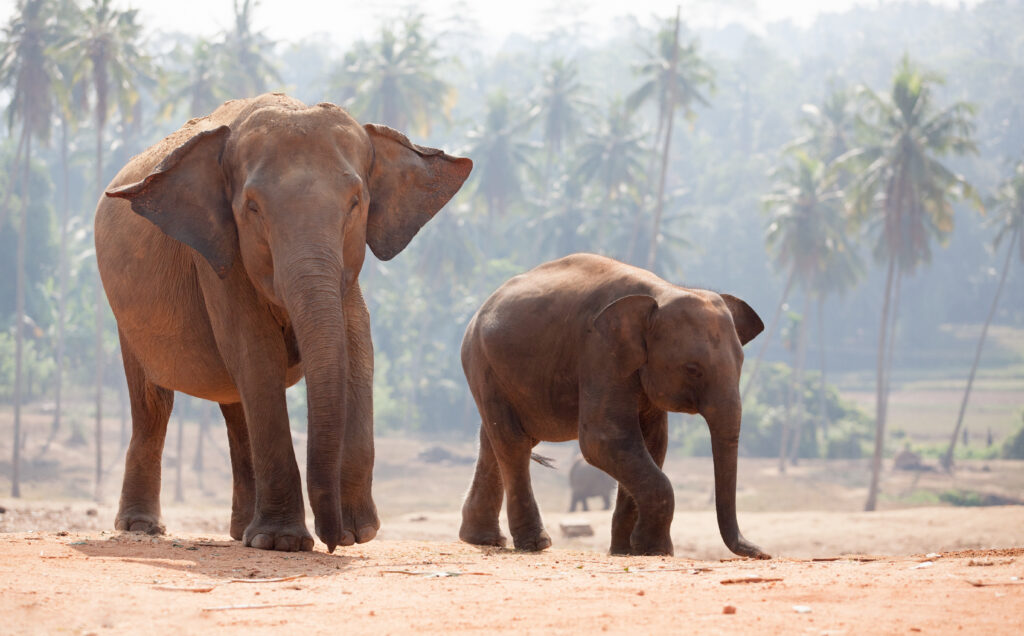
{"points": [[689, 349], [283, 187]]}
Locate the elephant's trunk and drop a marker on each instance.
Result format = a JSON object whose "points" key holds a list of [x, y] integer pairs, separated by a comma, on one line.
{"points": [[313, 296], [724, 423]]}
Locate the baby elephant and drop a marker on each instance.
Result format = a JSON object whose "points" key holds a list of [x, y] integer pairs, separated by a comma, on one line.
{"points": [[586, 481], [587, 347]]}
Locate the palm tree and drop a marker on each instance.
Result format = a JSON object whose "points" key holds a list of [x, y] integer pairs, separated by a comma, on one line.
{"points": [[1008, 217], [199, 86], [674, 76], [394, 80], [829, 129], [27, 69], [610, 156], [71, 99], [106, 45], [559, 104], [500, 153], [906, 192], [807, 236], [247, 55]]}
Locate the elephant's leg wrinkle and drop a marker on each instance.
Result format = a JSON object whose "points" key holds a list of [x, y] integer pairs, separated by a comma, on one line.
{"points": [[512, 450], [359, 513], [482, 506], [645, 502], [243, 494], [139, 509]]}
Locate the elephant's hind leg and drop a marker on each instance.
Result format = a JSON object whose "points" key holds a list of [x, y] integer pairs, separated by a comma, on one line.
{"points": [[139, 510], [483, 502], [243, 493], [512, 448]]}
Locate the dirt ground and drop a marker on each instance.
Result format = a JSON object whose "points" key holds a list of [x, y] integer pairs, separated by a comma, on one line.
{"points": [[836, 570], [84, 580]]}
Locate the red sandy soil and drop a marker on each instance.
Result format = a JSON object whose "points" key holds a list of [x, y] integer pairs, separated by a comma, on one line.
{"points": [[102, 582]]}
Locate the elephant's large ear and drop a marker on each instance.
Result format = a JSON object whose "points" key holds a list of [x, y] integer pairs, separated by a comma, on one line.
{"points": [[408, 185], [748, 323], [623, 324], [186, 197]]}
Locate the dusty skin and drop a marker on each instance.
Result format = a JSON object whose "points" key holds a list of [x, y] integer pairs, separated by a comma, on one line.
{"points": [[95, 581]]}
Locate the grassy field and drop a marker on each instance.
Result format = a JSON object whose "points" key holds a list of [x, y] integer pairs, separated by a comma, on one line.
{"points": [[924, 402]]}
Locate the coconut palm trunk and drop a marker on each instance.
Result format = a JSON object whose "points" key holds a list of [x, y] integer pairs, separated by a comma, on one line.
{"points": [[947, 459], [822, 405], [19, 321], [62, 286], [797, 387], [880, 391], [670, 111], [768, 334], [100, 300]]}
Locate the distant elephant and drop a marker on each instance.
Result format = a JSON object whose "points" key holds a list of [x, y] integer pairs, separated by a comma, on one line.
{"points": [[230, 253], [587, 481], [587, 347]]}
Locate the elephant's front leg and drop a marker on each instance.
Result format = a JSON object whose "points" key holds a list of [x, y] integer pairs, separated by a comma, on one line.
{"points": [[613, 442], [250, 342], [654, 427], [359, 514]]}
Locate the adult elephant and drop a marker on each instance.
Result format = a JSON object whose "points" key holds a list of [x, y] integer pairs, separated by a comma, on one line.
{"points": [[230, 253], [587, 347]]}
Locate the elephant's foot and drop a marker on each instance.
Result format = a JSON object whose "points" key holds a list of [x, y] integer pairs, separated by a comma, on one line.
{"points": [[240, 520], [136, 521], [620, 547], [487, 534], [531, 541], [359, 520], [651, 544], [243, 507], [283, 537]]}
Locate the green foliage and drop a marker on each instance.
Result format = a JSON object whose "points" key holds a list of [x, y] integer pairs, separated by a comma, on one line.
{"points": [[1013, 447], [559, 174], [394, 79], [764, 414], [38, 366]]}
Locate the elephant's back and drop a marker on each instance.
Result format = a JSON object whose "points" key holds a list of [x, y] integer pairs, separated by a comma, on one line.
{"points": [[558, 300]]}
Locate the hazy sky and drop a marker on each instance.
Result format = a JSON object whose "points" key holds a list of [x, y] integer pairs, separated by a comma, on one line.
{"points": [[345, 21]]}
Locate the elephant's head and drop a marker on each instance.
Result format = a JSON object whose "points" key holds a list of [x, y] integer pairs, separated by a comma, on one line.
{"points": [[293, 194], [687, 349]]}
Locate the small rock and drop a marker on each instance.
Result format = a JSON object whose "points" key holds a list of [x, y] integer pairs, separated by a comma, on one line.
{"points": [[801, 609], [2, 510], [640, 593], [729, 609], [91, 512]]}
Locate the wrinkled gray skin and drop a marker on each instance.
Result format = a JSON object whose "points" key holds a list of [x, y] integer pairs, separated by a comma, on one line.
{"points": [[587, 481], [230, 254], [587, 347]]}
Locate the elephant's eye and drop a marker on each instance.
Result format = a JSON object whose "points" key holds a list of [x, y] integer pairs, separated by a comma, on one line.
{"points": [[693, 370], [353, 203], [251, 206]]}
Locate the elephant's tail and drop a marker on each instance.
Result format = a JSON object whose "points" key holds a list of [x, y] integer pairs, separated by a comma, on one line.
{"points": [[547, 462]]}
